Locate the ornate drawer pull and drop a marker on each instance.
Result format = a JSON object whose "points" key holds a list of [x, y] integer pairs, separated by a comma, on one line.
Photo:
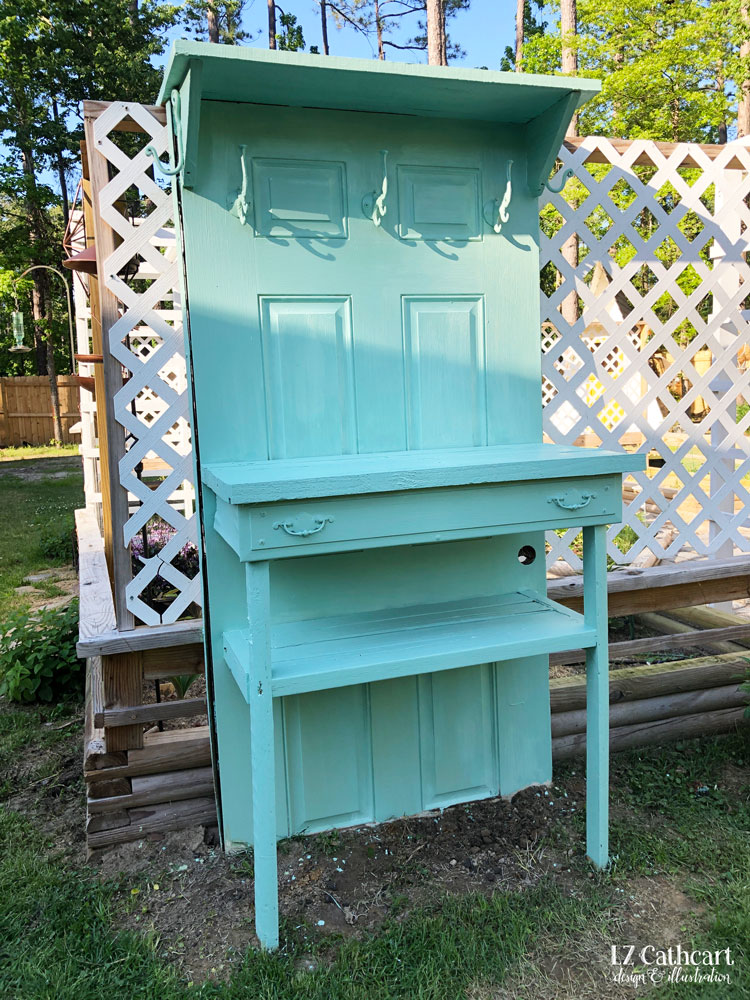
{"points": [[304, 525], [572, 500]]}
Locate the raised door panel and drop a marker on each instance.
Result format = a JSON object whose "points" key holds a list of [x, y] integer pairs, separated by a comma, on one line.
{"points": [[439, 203], [329, 759], [309, 375], [457, 736], [301, 199], [444, 370]]}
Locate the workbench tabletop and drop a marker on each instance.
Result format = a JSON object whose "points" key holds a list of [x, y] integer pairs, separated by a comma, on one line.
{"points": [[343, 475]]}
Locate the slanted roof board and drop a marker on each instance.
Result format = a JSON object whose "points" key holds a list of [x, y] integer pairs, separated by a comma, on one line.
{"points": [[263, 76]]}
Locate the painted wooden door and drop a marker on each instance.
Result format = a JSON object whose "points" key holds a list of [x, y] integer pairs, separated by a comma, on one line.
{"points": [[333, 335]]}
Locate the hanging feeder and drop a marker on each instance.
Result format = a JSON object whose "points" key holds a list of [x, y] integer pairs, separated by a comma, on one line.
{"points": [[18, 346]]}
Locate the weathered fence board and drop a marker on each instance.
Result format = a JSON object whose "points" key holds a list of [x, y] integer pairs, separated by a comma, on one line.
{"points": [[26, 410]]}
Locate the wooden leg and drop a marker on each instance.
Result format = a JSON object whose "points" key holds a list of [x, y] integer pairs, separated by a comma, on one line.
{"points": [[262, 755], [597, 695]]}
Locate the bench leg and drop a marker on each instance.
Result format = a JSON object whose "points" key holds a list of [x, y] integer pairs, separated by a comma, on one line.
{"points": [[263, 764], [597, 695]]}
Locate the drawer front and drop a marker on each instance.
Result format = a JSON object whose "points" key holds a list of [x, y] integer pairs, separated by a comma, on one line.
{"points": [[374, 520]]}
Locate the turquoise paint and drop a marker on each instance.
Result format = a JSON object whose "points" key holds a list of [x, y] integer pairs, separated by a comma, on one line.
{"points": [[365, 354], [597, 695]]}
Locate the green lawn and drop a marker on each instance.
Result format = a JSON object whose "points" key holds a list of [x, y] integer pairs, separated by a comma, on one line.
{"points": [[13, 454], [37, 500], [681, 817]]}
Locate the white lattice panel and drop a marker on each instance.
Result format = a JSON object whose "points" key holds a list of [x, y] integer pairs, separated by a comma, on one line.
{"points": [[152, 405], [656, 359]]}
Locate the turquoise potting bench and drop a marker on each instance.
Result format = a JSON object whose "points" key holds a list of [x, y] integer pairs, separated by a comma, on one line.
{"points": [[360, 242]]}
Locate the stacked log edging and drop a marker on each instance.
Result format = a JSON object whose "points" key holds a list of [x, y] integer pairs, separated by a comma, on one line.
{"points": [[167, 784], [654, 704]]}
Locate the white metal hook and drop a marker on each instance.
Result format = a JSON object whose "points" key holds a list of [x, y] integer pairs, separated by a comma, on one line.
{"points": [[373, 204], [496, 211], [241, 207]]}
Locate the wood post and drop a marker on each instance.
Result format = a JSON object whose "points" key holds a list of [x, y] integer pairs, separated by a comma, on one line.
{"points": [[114, 441], [597, 695], [263, 759], [99, 389], [122, 683]]}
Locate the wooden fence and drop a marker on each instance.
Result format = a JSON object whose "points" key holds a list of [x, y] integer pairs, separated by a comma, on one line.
{"points": [[26, 410]]}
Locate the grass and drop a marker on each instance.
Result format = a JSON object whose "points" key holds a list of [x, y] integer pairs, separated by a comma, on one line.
{"points": [[680, 822], [681, 818], [13, 454], [36, 527]]}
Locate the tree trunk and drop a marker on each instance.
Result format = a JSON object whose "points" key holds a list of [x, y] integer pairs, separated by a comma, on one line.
{"points": [[52, 375], [520, 11], [743, 88], [272, 24], [324, 25], [212, 22], [568, 29], [434, 48], [720, 84], [60, 164], [37, 235], [37, 311], [443, 36], [379, 29]]}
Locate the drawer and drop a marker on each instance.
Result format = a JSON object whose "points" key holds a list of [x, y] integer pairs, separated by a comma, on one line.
{"points": [[293, 528]]}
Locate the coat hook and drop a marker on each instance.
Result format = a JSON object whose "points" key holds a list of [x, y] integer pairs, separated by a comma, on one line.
{"points": [[564, 176], [241, 207], [373, 205], [496, 211], [152, 151]]}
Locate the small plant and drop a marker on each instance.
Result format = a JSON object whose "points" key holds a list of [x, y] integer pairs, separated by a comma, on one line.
{"points": [[181, 683], [56, 542], [38, 660]]}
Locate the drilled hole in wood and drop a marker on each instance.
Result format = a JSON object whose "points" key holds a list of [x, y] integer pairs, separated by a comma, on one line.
{"points": [[526, 555]]}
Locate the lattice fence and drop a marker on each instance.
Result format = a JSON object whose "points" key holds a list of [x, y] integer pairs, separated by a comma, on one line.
{"points": [[158, 555], [644, 341]]}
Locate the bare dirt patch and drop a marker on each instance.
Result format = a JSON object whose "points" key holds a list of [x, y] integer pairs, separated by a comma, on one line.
{"points": [[652, 911], [58, 588], [199, 901], [36, 469]]}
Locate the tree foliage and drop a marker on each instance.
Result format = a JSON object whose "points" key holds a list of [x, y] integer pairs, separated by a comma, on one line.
{"points": [[669, 70], [53, 55]]}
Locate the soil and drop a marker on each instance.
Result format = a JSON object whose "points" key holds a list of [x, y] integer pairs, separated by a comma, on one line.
{"points": [[46, 784], [35, 469], [339, 883], [63, 578], [167, 693], [623, 630]]}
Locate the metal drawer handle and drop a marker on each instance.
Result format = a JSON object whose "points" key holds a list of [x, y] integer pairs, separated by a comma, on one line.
{"points": [[304, 525], [571, 500]]}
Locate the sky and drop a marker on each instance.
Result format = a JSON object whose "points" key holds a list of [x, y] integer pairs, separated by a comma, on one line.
{"points": [[483, 31]]}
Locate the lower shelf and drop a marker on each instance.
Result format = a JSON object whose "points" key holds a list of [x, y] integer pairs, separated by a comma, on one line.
{"points": [[324, 653]]}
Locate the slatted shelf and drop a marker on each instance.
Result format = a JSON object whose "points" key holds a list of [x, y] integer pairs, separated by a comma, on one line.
{"points": [[324, 653]]}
